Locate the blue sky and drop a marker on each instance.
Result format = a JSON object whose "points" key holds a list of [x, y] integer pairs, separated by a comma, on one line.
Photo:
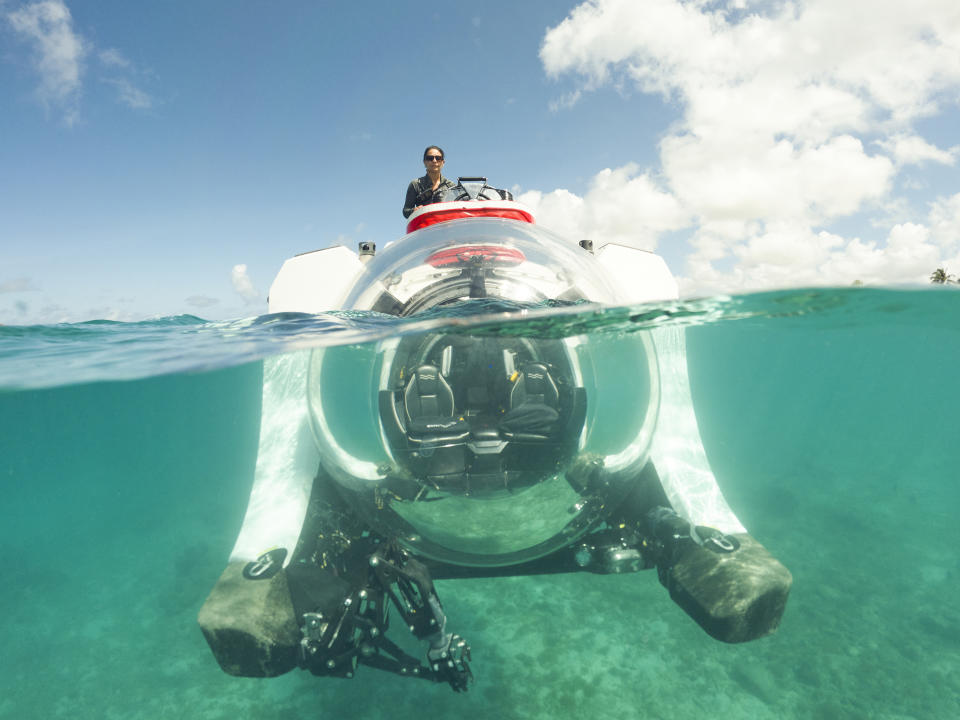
{"points": [[165, 158]]}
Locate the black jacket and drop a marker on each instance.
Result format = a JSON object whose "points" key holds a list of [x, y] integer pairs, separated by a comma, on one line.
{"points": [[420, 192]]}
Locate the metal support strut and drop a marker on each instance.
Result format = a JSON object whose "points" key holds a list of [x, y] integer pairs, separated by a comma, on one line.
{"points": [[339, 636]]}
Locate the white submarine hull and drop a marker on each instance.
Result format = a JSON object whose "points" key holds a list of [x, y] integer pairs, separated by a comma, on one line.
{"points": [[426, 439]]}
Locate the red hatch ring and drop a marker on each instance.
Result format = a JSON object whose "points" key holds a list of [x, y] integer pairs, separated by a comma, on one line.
{"points": [[497, 254], [439, 216]]}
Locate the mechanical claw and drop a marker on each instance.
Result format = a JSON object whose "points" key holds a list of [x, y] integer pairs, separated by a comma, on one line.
{"points": [[449, 660]]}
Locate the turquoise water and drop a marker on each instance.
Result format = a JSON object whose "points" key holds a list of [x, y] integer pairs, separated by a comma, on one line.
{"points": [[830, 418]]}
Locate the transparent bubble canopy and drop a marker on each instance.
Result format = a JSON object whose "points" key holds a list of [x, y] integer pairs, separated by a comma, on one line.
{"points": [[483, 448]]}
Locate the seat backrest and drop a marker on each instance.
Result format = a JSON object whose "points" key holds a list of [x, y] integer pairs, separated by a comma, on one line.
{"points": [[534, 386], [427, 394]]}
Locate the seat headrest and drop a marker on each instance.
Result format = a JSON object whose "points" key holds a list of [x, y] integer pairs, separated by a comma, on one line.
{"points": [[427, 379], [536, 378]]}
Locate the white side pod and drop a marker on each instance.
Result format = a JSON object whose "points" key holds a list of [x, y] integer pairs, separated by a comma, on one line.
{"points": [[315, 282], [641, 276], [287, 461], [677, 450]]}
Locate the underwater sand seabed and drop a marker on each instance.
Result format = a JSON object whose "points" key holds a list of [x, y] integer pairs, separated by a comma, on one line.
{"points": [[830, 418]]}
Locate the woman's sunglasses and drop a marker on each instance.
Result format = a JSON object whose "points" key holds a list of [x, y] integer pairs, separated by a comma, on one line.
{"points": [[433, 158]]}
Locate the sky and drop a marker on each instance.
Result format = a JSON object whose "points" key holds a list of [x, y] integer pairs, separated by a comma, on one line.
{"points": [[159, 159]]}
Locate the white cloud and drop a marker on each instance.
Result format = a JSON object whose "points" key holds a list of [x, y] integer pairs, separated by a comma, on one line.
{"points": [[243, 285], [130, 95], [914, 150], [794, 255], [908, 256], [58, 53], [770, 179], [111, 57], [121, 74], [560, 210], [781, 101], [621, 205], [890, 56], [18, 285], [945, 223], [202, 301], [566, 101]]}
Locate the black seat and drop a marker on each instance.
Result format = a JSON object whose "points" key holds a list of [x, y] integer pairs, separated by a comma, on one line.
{"points": [[428, 402], [534, 386], [534, 405]]}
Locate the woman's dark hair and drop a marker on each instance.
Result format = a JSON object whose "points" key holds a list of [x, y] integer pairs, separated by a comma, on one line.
{"points": [[434, 147]]}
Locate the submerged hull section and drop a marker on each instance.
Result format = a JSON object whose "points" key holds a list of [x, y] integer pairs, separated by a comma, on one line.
{"points": [[454, 454]]}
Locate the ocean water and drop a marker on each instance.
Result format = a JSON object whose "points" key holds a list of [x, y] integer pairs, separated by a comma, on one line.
{"points": [[830, 417]]}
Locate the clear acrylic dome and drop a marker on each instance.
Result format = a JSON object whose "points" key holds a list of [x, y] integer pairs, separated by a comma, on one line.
{"points": [[483, 449]]}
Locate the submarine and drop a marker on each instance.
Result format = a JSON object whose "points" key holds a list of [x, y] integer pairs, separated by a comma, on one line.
{"points": [[451, 449]]}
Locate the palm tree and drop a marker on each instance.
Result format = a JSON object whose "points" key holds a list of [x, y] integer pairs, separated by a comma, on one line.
{"points": [[940, 276]]}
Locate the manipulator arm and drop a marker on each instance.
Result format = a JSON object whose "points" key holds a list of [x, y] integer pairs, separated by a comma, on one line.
{"points": [[416, 599]]}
